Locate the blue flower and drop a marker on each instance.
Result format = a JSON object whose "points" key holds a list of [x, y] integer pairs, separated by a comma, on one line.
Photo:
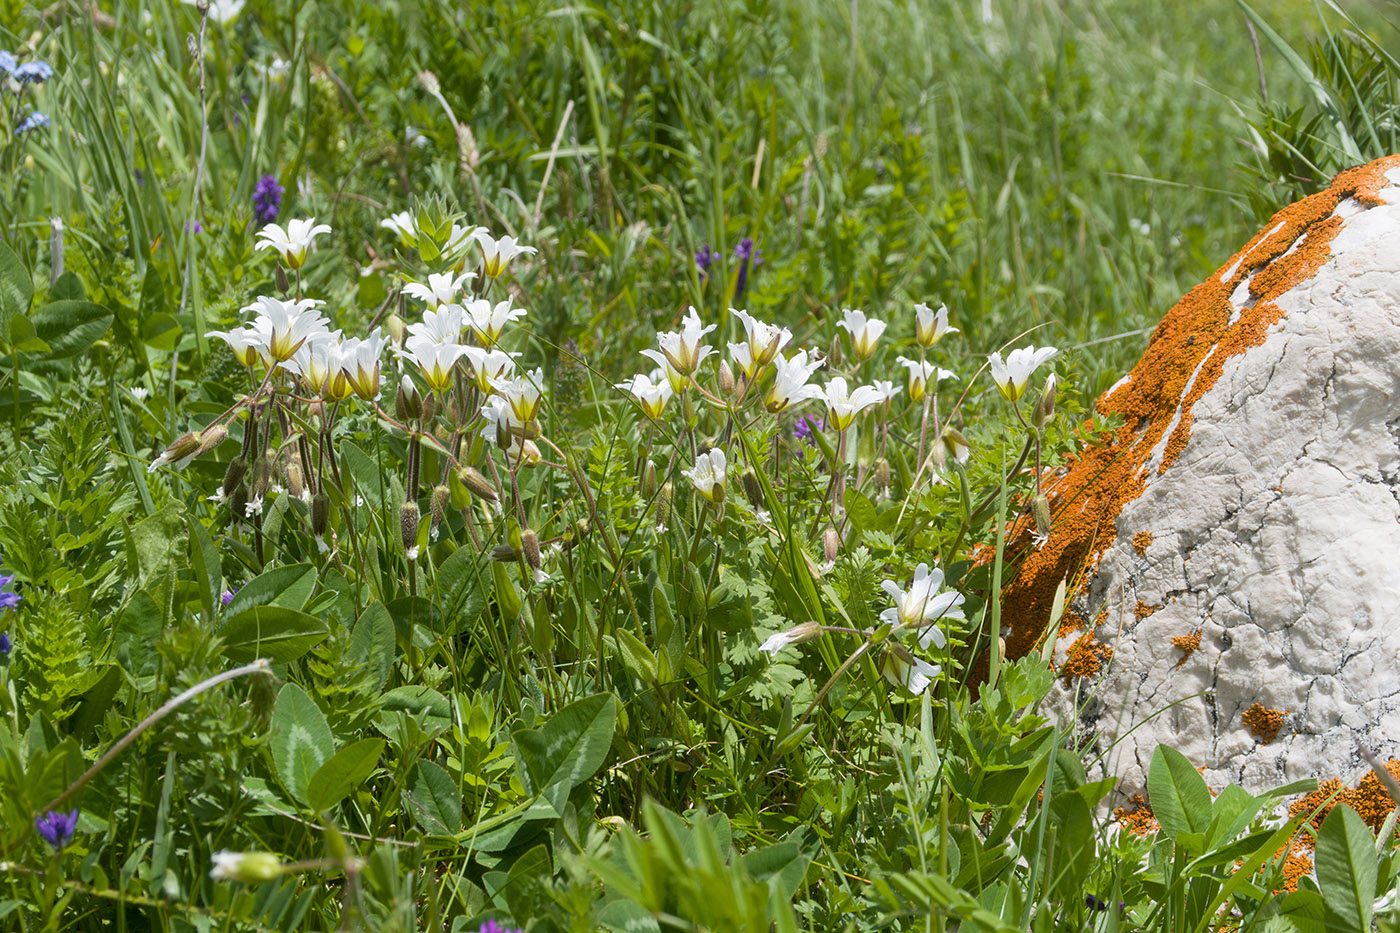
{"points": [[491, 926], [32, 122], [704, 259], [803, 427], [8, 63], [4, 644], [33, 73], [227, 595], [8, 600], [57, 828], [267, 199], [748, 256]]}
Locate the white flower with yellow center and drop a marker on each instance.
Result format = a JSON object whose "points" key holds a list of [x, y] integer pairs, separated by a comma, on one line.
{"points": [[441, 289], [523, 394], [360, 360], [488, 365], [288, 324], [843, 404], [902, 669], [931, 326], [651, 396], [708, 474], [922, 606], [250, 342], [315, 360], [865, 332], [919, 373], [293, 242], [887, 389], [402, 224], [790, 384], [676, 380], [434, 360], [488, 320], [1012, 377], [443, 325], [497, 254], [682, 348], [764, 340]]}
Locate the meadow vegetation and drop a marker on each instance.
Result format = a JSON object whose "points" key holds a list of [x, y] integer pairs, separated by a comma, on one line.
{"points": [[516, 466]]}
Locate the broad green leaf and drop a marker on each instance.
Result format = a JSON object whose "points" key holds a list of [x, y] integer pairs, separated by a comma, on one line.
{"points": [[1346, 869], [460, 583], [433, 800], [568, 749], [204, 560], [288, 586], [301, 741], [273, 632], [1180, 798], [161, 332], [415, 699], [636, 656], [68, 288], [861, 510], [372, 643], [527, 885], [154, 540], [70, 327], [344, 771], [16, 290]]}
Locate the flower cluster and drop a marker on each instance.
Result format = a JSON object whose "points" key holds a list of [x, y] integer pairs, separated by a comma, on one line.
{"points": [[16, 79], [267, 199], [56, 828]]}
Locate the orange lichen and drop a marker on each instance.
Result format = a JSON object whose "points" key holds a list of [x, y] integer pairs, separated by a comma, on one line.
{"points": [[1086, 657], [1142, 610], [1263, 722], [1295, 867], [1137, 817], [1141, 542], [1368, 798], [1187, 645], [1070, 623], [1186, 356]]}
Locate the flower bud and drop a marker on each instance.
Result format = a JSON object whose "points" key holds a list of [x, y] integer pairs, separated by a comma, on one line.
{"points": [[408, 525], [882, 473], [294, 479], [956, 445], [238, 502], [831, 543], [210, 438], [726, 378], [408, 401], [429, 406], [663, 503], [442, 499], [396, 328], [182, 448], [248, 867], [1045, 408], [320, 514], [504, 553], [530, 453], [1041, 508], [530, 546], [233, 476], [283, 285], [477, 484], [649, 480], [752, 489], [262, 477]]}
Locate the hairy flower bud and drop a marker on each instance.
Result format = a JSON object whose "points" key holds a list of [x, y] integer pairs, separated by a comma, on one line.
{"points": [[504, 553], [726, 378], [477, 484], [397, 329], [530, 547], [882, 473], [752, 489], [262, 477], [1041, 507], [831, 544], [238, 502], [663, 503], [408, 401], [429, 406], [408, 526], [442, 500], [649, 480], [248, 867], [295, 485], [320, 514], [233, 476], [1045, 408], [210, 438], [283, 285]]}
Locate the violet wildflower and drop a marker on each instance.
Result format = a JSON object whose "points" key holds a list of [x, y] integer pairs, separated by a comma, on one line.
{"points": [[4, 644], [748, 256], [267, 199], [57, 828], [33, 73], [8, 600], [705, 260], [227, 596], [491, 926], [803, 427], [193, 226], [34, 121]]}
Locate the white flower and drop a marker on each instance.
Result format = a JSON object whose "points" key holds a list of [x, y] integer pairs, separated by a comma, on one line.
{"points": [[504, 431], [931, 326], [487, 321], [652, 396], [522, 393], [404, 225], [904, 670], [434, 360], [743, 357], [245, 866], [489, 365], [359, 359], [1012, 376], [919, 373], [277, 70], [683, 349], [287, 325], [764, 340], [807, 631], [139, 393], [443, 325], [887, 389], [441, 289], [253, 507], [923, 606], [865, 332], [461, 236], [293, 242], [221, 11], [708, 474], [250, 342], [790, 382], [665, 370], [842, 405], [316, 360], [497, 254]]}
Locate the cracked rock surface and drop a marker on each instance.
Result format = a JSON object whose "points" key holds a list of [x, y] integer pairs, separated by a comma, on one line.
{"points": [[1276, 533]]}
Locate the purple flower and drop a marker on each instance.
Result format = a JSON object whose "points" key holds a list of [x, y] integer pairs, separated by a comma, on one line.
{"points": [[704, 259], [748, 255], [8, 600], [57, 828], [803, 427], [32, 122], [194, 225], [267, 199], [491, 926], [33, 73], [4, 644], [227, 595]]}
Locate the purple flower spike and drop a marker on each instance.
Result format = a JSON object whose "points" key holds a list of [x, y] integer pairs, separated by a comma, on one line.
{"points": [[704, 260], [267, 199], [4, 644], [8, 600], [803, 427], [57, 828], [749, 257]]}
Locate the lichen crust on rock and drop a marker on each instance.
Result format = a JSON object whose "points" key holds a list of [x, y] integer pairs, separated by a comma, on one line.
{"points": [[1259, 444]]}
